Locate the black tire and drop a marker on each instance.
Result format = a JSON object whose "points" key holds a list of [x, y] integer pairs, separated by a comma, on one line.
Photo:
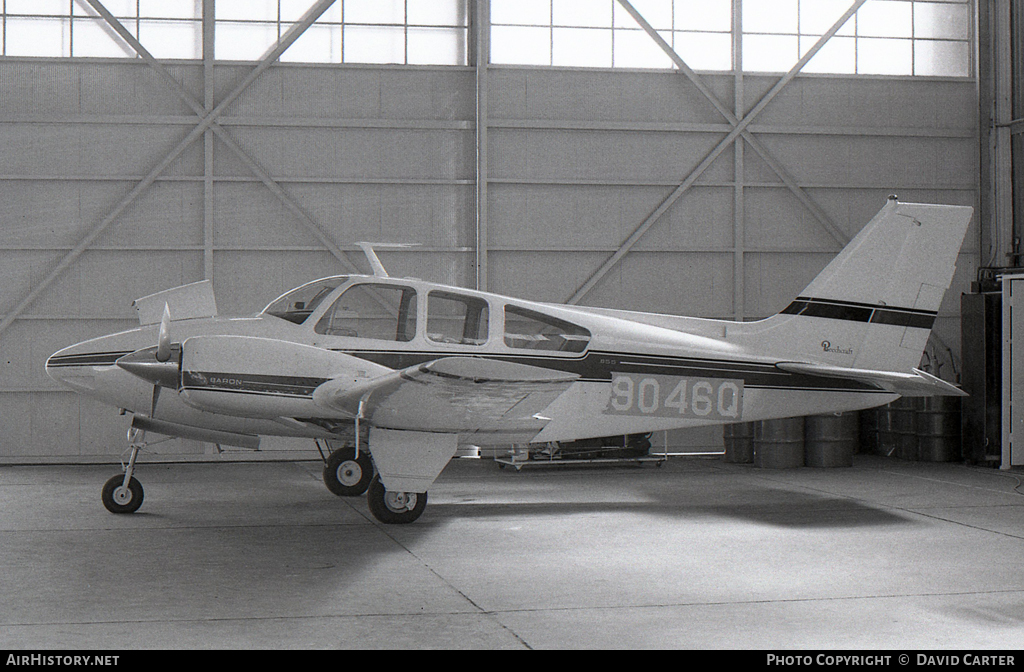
{"points": [[117, 499], [346, 475], [394, 508]]}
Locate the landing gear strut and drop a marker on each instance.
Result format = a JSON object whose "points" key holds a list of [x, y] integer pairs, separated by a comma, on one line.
{"points": [[122, 493]]}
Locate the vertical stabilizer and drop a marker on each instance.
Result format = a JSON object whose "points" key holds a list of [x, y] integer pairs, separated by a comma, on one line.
{"points": [[874, 305]]}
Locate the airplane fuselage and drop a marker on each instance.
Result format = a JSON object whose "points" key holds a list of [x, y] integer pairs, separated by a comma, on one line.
{"points": [[630, 374]]}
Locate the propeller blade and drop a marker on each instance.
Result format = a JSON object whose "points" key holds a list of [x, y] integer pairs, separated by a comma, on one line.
{"points": [[163, 345]]}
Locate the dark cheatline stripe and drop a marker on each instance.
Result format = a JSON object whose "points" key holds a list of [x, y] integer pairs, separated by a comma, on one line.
{"points": [[851, 311], [901, 319], [597, 366], [286, 386], [87, 359], [833, 311], [592, 367]]}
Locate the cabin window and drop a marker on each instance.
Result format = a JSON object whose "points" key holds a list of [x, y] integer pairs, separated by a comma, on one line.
{"points": [[380, 312], [534, 331], [454, 318], [296, 305]]}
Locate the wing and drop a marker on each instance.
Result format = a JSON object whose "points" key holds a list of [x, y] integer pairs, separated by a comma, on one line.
{"points": [[451, 394], [916, 384]]}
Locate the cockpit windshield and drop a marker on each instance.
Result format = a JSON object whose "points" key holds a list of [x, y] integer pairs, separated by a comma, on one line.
{"points": [[296, 305]]}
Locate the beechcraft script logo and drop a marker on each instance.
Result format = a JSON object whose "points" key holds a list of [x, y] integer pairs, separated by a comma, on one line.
{"points": [[826, 346]]}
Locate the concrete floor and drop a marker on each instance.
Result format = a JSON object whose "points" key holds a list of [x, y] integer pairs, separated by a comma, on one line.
{"points": [[696, 554]]}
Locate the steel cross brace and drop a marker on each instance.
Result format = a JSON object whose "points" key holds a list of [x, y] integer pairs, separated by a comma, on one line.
{"points": [[175, 86], [739, 128], [208, 120]]}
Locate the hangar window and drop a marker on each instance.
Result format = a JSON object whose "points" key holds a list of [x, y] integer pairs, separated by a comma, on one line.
{"points": [[166, 28], [535, 331], [601, 33], [455, 318], [380, 312], [884, 37], [421, 32]]}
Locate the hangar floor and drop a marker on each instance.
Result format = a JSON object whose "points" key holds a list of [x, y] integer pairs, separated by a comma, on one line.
{"points": [[696, 554]]}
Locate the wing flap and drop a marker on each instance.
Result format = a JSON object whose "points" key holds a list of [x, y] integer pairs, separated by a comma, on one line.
{"points": [[461, 393], [916, 384]]}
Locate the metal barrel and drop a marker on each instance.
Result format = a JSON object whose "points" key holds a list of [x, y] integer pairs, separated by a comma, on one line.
{"points": [[739, 442], [938, 429], [831, 440], [886, 423], [905, 427], [779, 444]]}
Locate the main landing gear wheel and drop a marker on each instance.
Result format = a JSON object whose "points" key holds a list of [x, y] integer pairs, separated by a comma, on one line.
{"points": [[394, 508], [347, 475], [119, 499]]}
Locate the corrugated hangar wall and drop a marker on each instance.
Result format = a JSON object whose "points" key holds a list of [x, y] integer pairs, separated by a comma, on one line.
{"points": [[577, 160]]}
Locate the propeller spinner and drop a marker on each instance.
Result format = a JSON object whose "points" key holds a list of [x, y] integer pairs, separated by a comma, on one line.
{"points": [[157, 364]]}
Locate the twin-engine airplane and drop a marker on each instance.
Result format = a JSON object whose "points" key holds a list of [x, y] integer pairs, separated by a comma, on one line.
{"points": [[400, 372]]}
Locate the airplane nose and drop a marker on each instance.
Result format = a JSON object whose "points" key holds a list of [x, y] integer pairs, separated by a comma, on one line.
{"points": [[74, 365], [64, 367], [51, 369]]}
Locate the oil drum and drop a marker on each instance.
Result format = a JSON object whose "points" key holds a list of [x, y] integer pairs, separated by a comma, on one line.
{"points": [[831, 440], [905, 427], [779, 444], [938, 429], [886, 423], [739, 442]]}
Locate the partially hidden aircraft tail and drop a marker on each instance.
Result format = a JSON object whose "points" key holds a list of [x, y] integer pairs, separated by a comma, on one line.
{"points": [[869, 313]]}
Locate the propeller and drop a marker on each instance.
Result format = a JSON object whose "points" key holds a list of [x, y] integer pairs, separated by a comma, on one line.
{"points": [[163, 341], [156, 365]]}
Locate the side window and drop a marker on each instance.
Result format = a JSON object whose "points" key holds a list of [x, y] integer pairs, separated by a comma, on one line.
{"points": [[381, 312], [454, 318], [535, 331]]}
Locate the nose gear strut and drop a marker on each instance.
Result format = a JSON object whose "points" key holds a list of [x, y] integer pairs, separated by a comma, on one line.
{"points": [[123, 493]]}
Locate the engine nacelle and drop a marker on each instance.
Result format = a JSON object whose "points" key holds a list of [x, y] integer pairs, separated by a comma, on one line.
{"points": [[264, 378]]}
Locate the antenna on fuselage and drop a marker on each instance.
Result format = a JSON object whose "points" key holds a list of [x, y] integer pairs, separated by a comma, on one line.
{"points": [[371, 256]]}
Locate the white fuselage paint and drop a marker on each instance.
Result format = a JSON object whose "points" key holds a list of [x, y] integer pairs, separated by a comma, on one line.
{"points": [[635, 376]]}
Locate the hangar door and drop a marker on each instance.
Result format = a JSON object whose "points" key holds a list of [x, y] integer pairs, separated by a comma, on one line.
{"points": [[1013, 371]]}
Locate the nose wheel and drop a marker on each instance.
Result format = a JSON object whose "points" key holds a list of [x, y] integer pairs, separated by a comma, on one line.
{"points": [[123, 493], [120, 498]]}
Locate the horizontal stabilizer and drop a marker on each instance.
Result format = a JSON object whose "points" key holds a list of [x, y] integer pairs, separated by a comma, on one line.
{"points": [[916, 384]]}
